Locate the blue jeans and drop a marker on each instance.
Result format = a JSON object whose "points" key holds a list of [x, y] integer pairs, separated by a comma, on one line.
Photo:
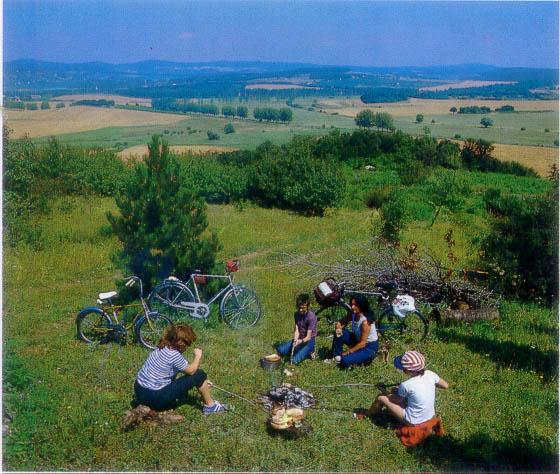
{"points": [[301, 352], [166, 397], [363, 356]]}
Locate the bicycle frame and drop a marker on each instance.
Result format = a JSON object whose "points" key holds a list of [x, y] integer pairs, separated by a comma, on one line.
{"points": [[216, 295]]}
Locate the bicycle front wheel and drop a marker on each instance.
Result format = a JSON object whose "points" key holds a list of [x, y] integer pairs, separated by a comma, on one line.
{"points": [[330, 315], [414, 328], [169, 297], [240, 308], [93, 325], [150, 328]]}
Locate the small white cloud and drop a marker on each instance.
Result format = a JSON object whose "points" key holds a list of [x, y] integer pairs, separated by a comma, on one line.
{"points": [[185, 35]]}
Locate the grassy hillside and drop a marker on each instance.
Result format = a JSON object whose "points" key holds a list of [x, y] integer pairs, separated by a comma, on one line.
{"points": [[501, 412]]}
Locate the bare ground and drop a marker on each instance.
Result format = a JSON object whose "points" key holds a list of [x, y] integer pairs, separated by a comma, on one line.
{"points": [[140, 151], [41, 123], [412, 107]]}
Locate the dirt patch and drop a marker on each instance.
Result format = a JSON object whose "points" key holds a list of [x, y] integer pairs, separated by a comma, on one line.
{"points": [[119, 99], [142, 150], [431, 106], [536, 157], [463, 85], [41, 123]]}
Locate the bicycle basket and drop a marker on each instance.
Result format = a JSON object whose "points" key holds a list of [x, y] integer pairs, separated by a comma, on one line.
{"points": [[232, 266], [200, 279], [327, 292], [403, 304]]}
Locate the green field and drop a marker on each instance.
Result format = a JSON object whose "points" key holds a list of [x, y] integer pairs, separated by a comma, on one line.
{"points": [[250, 133], [500, 413]]}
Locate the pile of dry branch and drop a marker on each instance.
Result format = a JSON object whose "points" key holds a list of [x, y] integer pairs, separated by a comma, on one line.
{"points": [[415, 272]]}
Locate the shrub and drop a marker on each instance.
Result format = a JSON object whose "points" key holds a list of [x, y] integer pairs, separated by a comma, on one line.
{"points": [[291, 178], [212, 135], [393, 217], [60, 105], [521, 250], [378, 196], [45, 105], [228, 128], [31, 106]]}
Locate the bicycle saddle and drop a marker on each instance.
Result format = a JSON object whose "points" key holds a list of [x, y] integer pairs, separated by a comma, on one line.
{"points": [[386, 286]]}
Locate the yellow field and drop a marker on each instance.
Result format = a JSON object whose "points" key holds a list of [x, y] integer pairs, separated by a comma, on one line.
{"points": [[142, 150], [119, 99], [40, 123], [463, 84], [537, 157], [412, 107]]}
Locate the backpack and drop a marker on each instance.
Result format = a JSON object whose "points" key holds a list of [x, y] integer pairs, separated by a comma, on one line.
{"points": [[327, 292]]}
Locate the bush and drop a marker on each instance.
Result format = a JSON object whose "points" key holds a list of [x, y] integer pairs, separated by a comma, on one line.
{"points": [[393, 217], [212, 135], [378, 196], [60, 105], [45, 105], [521, 250], [291, 178], [228, 128]]}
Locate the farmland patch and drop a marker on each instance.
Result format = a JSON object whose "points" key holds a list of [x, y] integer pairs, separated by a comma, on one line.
{"points": [[536, 157], [40, 123]]}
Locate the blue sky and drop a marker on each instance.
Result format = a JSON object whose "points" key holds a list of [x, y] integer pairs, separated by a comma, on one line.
{"points": [[364, 33]]}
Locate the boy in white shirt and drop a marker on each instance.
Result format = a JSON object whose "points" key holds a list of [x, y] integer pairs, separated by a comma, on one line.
{"points": [[413, 402]]}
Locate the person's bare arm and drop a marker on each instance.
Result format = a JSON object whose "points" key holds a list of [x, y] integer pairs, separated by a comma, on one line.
{"points": [[193, 366], [363, 340], [442, 383]]}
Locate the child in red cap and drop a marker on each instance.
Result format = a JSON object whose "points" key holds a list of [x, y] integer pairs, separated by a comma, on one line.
{"points": [[413, 402]]}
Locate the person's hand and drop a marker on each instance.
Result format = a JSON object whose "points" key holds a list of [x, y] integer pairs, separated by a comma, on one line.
{"points": [[197, 352], [337, 325], [209, 382], [297, 342], [345, 353]]}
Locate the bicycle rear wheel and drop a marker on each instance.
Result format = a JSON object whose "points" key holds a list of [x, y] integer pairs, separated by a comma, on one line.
{"points": [[414, 328], [329, 315], [150, 328], [240, 308], [93, 325], [387, 327], [168, 297]]}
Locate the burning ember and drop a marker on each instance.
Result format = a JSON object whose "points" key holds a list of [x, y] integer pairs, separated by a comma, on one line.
{"points": [[287, 396]]}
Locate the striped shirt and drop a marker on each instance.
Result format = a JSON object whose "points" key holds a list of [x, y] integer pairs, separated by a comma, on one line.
{"points": [[160, 368]]}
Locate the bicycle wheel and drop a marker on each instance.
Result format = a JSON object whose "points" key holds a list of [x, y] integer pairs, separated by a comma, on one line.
{"points": [[329, 315], [414, 328], [150, 329], [240, 308], [93, 325], [168, 297], [387, 327]]}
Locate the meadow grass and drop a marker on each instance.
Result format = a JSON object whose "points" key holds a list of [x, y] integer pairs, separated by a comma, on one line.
{"points": [[501, 412]]}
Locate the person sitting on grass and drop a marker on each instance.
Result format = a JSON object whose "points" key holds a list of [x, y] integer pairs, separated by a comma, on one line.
{"points": [[362, 342], [157, 384], [303, 342], [413, 402]]}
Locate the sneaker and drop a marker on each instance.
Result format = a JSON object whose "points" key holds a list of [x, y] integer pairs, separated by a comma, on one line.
{"points": [[216, 408], [313, 355], [337, 359], [328, 361]]}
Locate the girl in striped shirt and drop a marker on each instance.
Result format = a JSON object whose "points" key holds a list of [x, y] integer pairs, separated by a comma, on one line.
{"points": [[157, 384]]}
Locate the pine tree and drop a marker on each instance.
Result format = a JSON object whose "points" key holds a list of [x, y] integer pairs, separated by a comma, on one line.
{"points": [[161, 222]]}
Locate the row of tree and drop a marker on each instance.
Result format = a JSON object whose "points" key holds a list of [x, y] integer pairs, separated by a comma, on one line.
{"points": [[382, 120], [273, 115]]}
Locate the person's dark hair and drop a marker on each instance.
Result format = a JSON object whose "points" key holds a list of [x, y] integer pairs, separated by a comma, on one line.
{"points": [[176, 335], [363, 304], [302, 299]]}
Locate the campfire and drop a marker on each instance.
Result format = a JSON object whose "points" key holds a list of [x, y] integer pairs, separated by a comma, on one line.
{"points": [[288, 397]]}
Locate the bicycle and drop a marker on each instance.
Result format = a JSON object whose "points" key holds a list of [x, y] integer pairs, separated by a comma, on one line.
{"points": [[239, 307], [100, 324], [398, 318]]}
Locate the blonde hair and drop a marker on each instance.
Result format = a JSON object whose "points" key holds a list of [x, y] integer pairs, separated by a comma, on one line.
{"points": [[177, 334]]}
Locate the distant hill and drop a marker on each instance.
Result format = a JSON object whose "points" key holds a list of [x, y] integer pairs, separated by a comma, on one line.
{"points": [[153, 79]]}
